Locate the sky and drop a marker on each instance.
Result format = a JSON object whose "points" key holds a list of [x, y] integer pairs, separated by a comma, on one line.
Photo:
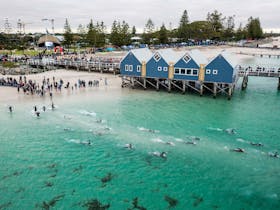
{"points": [[134, 12]]}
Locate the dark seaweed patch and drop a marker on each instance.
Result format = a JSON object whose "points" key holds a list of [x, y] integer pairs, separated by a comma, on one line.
{"points": [[95, 204], [16, 173], [197, 200], [107, 178], [48, 184], [47, 205], [5, 205], [136, 205], [77, 169], [171, 201]]}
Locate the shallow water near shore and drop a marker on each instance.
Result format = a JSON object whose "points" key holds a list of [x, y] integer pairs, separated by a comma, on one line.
{"points": [[47, 162]]}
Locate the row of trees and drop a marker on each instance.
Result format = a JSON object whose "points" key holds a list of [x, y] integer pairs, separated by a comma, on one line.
{"points": [[215, 27]]}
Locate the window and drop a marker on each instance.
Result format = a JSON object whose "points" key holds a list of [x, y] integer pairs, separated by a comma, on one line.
{"points": [[130, 68], [138, 68], [157, 57], [208, 71], [165, 69], [183, 71], [126, 67], [195, 72], [159, 68], [186, 58], [177, 71], [215, 71], [189, 72]]}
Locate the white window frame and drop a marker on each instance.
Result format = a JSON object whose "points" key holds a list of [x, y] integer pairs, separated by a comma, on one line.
{"points": [[196, 71], [208, 71], [138, 68], [130, 67], [178, 71], [159, 68], [126, 68], [215, 71], [165, 68], [186, 60], [157, 57]]}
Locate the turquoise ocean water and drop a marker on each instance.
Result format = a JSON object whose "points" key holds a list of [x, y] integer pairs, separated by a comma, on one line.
{"points": [[47, 164]]}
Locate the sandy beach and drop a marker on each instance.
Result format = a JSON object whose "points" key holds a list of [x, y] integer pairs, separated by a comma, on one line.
{"points": [[9, 94]]}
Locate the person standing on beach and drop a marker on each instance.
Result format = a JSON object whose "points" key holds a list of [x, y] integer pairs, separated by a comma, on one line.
{"points": [[105, 81], [10, 109]]}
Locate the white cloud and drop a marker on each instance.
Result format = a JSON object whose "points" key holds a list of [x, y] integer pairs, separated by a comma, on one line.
{"points": [[135, 12]]}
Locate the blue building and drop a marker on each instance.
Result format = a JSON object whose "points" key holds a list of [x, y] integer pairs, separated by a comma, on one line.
{"points": [[134, 63], [189, 65], [222, 69], [161, 64]]}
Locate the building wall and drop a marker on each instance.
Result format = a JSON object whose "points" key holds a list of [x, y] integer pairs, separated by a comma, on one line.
{"points": [[224, 74], [132, 63], [190, 65], [152, 68]]}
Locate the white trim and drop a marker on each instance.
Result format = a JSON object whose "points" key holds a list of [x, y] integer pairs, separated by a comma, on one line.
{"points": [[208, 71], [186, 58], [159, 68], [138, 68], [215, 71], [130, 67], [165, 68], [126, 68], [157, 57]]}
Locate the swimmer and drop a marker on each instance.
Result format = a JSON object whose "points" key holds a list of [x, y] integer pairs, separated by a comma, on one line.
{"points": [[37, 114], [11, 109], [160, 154], [44, 108], [128, 146], [190, 142], [256, 144], [151, 131], [35, 108], [98, 121], [274, 155], [238, 150], [194, 138], [230, 131], [169, 143], [53, 107]]}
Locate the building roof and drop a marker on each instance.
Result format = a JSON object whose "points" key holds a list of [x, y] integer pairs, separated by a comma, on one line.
{"points": [[142, 54], [228, 57], [198, 57], [170, 56]]}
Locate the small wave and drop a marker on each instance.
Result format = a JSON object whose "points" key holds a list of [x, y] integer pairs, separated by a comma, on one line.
{"points": [[87, 113], [179, 140], [215, 129], [76, 141], [148, 130], [158, 140], [240, 140]]}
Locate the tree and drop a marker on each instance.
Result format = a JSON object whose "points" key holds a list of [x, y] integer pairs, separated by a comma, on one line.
{"points": [[201, 30], [184, 30], [254, 29], [163, 37], [216, 20], [229, 28], [120, 33], [240, 33], [91, 34], [148, 31], [133, 33], [68, 35]]}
